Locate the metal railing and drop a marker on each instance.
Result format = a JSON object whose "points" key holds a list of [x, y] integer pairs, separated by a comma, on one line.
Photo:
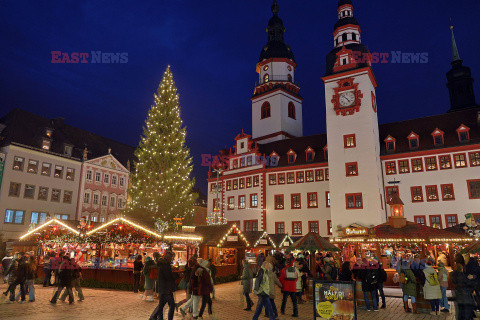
{"points": [[277, 79]]}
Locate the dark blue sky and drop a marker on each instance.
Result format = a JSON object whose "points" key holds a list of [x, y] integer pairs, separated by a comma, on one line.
{"points": [[213, 47]]}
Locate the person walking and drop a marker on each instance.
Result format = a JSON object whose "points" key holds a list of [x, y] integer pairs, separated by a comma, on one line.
{"points": [[19, 278], [260, 260], [443, 279], [288, 279], [30, 275], [12, 273], [382, 278], [273, 281], [6, 261], [166, 286], [345, 272], [431, 288], [64, 280], [76, 271], [369, 278], [409, 286], [191, 266], [194, 292], [262, 290], [47, 269], [149, 265], [137, 272], [463, 293], [205, 287], [330, 271], [213, 273], [247, 283]]}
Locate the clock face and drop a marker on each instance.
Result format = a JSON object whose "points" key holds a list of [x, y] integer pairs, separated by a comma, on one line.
{"points": [[347, 99]]}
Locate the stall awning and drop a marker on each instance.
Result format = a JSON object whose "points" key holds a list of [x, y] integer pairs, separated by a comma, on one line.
{"points": [[472, 248], [312, 242], [53, 224]]}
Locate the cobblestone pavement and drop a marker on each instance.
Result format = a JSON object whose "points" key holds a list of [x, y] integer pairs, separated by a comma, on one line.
{"points": [[122, 305]]}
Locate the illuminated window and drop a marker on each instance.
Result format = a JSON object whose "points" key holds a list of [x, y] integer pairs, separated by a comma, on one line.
{"points": [[279, 202], [266, 77], [451, 220], [67, 150], [32, 166], [391, 167], [253, 200], [300, 176], [296, 201], [354, 200], [349, 141], [231, 203], [272, 178], [309, 176], [313, 226], [229, 185], [417, 165], [327, 175], [420, 220], [403, 166], [242, 183], [280, 227], [329, 227], [312, 200], [235, 184], [445, 162], [70, 174], [390, 191], [297, 227], [58, 173], [460, 160], [290, 177], [431, 163], [474, 159], [351, 169], [432, 193], [241, 202], [447, 192], [281, 178], [256, 181], [14, 190], [249, 182], [18, 163], [417, 194], [46, 144], [319, 175], [436, 221], [14, 216]]}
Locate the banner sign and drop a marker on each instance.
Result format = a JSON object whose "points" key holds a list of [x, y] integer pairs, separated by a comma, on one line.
{"points": [[263, 242], [334, 300], [232, 238]]}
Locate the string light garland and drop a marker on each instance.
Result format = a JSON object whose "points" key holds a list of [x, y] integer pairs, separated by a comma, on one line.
{"points": [[267, 237], [49, 222], [121, 219], [239, 232]]}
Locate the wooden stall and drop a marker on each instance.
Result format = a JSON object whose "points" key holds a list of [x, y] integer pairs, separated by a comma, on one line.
{"points": [[259, 241], [225, 245]]}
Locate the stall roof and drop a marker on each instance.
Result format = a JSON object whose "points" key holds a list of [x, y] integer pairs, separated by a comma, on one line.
{"points": [[472, 248], [253, 237], [280, 239], [213, 235], [312, 241], [126, 221], [183, 236], [69, 225]]}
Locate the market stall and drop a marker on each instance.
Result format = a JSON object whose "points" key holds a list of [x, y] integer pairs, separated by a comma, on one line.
{"points": [[259, 241], [281, 241], [225, 245]]}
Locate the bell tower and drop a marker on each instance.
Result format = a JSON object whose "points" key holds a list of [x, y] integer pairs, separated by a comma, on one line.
{"points": [[276, 103], [356, 182]]}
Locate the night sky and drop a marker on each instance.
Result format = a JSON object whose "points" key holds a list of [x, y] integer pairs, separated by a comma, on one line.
{"points": [[212, 47]]}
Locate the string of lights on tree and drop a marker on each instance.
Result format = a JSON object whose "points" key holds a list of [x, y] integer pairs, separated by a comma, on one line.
{"points": [[161, 185]]}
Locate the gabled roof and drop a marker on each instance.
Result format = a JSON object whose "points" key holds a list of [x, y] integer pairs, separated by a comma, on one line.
{"points": [[67, 225], [26, 128]]}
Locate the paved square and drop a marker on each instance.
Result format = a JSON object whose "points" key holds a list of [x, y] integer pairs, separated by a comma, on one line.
{"points": [[123, 305]]}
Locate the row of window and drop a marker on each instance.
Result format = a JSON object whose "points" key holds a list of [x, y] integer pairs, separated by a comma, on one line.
{"points": [[266, 110], [95, 200], [17, 216], [107, 178], [431, 164], [463, 134], [43, 192], [298, 177], [297, 226], [436, 220], [33, 167]]}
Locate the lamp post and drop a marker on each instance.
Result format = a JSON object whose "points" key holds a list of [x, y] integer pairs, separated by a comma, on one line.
{"points": [[217, 217]]}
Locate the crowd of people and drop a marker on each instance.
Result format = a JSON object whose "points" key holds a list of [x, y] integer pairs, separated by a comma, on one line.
{"points": [[20, 271]]}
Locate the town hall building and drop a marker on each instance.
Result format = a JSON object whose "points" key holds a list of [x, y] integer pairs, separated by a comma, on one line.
{"points": [[325, 182]]}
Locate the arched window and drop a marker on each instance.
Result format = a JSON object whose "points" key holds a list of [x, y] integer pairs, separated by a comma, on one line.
{"points": [[265, 110], [265, 77], [344, 37], [354, 36], [291, 110], [290, 78]]}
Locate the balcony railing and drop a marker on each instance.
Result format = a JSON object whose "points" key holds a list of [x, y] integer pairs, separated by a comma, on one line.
{"points": [[276, 79]]}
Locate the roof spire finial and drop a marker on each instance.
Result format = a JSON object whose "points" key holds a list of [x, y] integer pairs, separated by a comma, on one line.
{"points": [[275, 7], [455, 54]]}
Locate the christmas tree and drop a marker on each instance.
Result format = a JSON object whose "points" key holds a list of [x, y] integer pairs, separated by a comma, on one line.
{"points": [[161, 185]]}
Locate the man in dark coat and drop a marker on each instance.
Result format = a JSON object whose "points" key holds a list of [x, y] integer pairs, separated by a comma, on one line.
{"points": [[65, 276], [369, 277], [17, 275], [165, 288]]}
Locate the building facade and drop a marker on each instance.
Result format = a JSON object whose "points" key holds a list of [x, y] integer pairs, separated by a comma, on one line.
{"points": [[46, 170], [283, 182]]}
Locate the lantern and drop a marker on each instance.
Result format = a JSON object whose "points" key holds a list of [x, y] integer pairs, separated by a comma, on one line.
{"points": [[396, 206]]}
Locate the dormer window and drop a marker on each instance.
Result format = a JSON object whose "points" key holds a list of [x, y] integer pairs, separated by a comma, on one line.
{"points": [[242, 145], [46, 144], [438, 140], [274, 159], [68, 150], [413, 141], [390, 143], [292, 156], [463, 133], [310, 154]]}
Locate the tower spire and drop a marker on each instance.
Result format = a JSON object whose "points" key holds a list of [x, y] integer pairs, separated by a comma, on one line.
{"points": [[275, 7], [455, 54]]}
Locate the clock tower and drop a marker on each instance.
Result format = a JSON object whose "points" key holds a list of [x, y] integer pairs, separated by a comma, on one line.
{"points": [[356, 183], [276, 102]]}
